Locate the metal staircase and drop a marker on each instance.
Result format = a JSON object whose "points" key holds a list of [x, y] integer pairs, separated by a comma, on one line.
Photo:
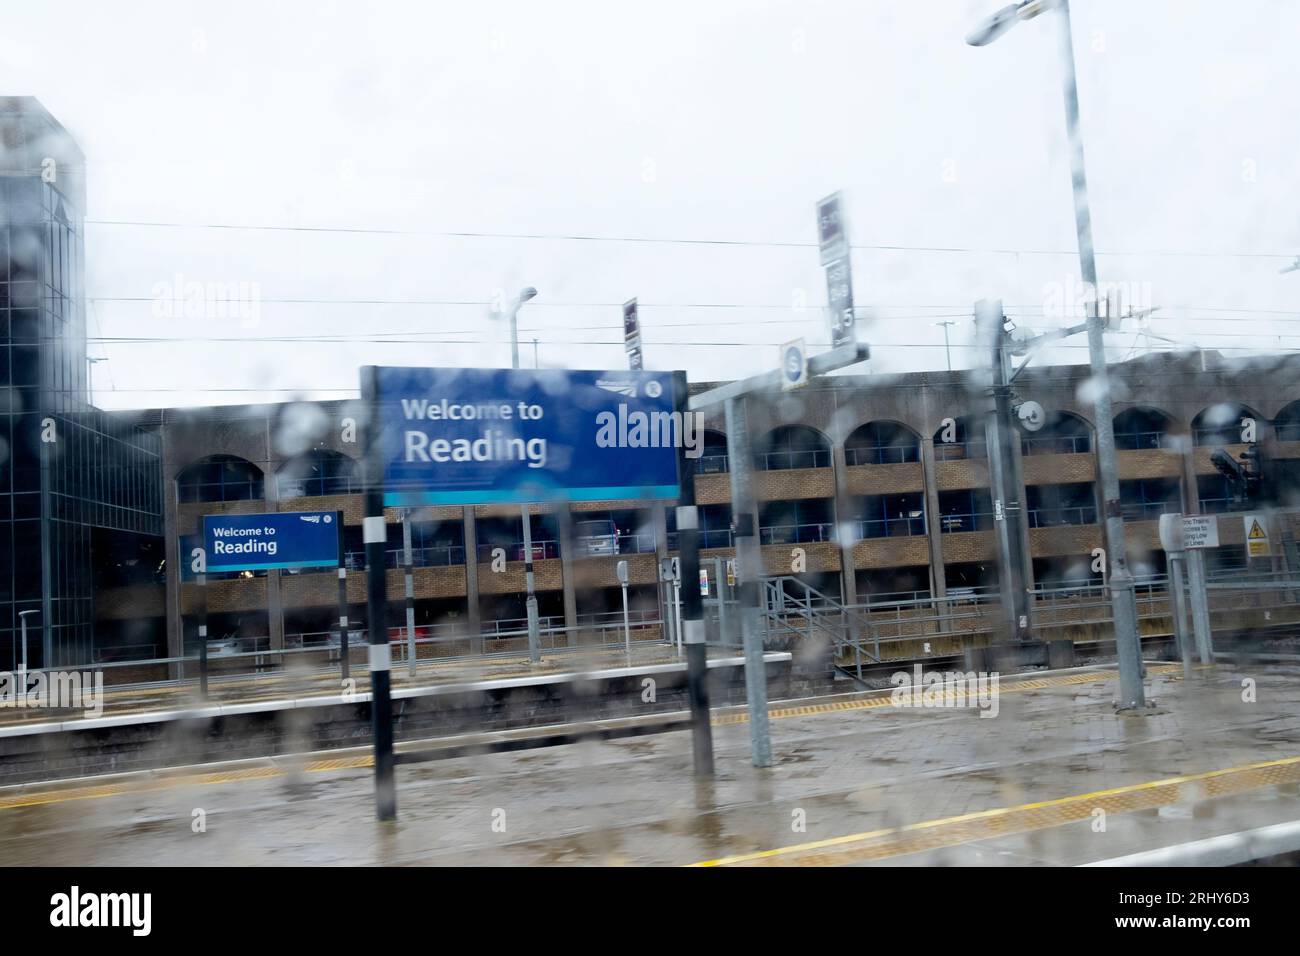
{"points": [[795, 613]]}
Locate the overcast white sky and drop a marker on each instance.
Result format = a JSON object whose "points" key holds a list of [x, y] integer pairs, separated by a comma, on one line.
{"points": [[707, 120]]}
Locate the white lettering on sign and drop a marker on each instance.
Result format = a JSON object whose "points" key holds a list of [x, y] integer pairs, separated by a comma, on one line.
{"points": [[243, 547], [493, 446], [422, 408], [1200, 531]]}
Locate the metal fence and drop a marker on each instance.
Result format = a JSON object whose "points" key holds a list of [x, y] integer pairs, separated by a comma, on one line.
{"points": [[881, 454]]}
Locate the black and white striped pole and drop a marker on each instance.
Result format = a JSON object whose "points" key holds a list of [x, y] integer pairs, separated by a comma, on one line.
{"points": [[343, 601], [530, 587], [203, 631], [375, 535], [408, 565], [688, 547]]}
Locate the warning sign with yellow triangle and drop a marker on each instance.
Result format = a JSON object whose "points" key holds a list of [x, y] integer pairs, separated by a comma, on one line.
{"points": [[1256, 537]]}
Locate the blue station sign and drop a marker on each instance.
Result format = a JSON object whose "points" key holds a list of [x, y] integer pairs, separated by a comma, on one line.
{"points": [[487, 436], [292, 539]]}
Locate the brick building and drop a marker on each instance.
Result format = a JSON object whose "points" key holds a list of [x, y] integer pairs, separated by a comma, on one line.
{"points": [[880, 483]]}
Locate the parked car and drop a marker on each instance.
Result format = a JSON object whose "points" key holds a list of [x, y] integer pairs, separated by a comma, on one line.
{"points": [[596, 537]]}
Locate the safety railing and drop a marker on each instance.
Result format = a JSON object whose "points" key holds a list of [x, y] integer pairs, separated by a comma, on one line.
{"points": [[900, 617], [320, 487], [1056, 445], [889, 527], [961, 450], [796, 533], [514, 551], [975, 521], [710, 464], [1218, 506], [881, 454], [1057, 517], [1147, 510], [795, 458], [1141, 441], [430, 556], [709, 538]]}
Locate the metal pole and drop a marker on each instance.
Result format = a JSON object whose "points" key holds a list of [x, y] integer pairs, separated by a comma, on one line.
{"points": [[203, 636], [719, 570], [409, 567], [22, 620], [375, 535], [1178, 608], [627, 626], [530, 603], [947, 351], [1000, 433], [1200, 606], [677, 607], [688, 544], [749, 569], [514, 335], [344, 652], [1123, 602]]}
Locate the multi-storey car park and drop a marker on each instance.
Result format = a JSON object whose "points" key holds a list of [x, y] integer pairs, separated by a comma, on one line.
{"points": [[872, 490]]}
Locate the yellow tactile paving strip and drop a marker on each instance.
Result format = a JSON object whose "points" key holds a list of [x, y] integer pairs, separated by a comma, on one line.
{"points": [[156, 784], [951, 831], [1006, 685]]}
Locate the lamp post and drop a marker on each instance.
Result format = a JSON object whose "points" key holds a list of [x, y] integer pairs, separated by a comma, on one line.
{"points": [[1123, 604], [947, 349], [524, 295], [534, 635], [22, 620]]}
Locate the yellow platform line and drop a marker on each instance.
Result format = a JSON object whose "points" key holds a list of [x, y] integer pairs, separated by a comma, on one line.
{"points": [[1006, 685], [168, 782], [983, 824]]}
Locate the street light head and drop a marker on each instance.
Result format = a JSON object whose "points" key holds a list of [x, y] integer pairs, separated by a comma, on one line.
{"points": [[1032, 8], [526, 294], [992, 28], [1002, 21]]}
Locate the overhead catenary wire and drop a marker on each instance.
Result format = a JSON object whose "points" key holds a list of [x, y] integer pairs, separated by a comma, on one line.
{"points": [[660, 240]]}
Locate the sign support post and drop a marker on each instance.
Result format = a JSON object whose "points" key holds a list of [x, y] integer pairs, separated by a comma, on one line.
{"points": [[1174, 543], [1198, 533], [344, 663], [1200, 606], [409, 569], [530, 581], [344, 653], [203, 636], [692, 626], [374, 531], [627, 627], [749, 567]]}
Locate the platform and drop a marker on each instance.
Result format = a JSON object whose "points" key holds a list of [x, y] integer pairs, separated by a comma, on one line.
{"points": [[1057, 777]]}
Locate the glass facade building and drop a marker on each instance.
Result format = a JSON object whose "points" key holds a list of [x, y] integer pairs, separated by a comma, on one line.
{"points": [[80, 488]]}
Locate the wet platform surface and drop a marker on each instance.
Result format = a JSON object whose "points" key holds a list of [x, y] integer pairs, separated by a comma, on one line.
{"points": [[1057, 777]]}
